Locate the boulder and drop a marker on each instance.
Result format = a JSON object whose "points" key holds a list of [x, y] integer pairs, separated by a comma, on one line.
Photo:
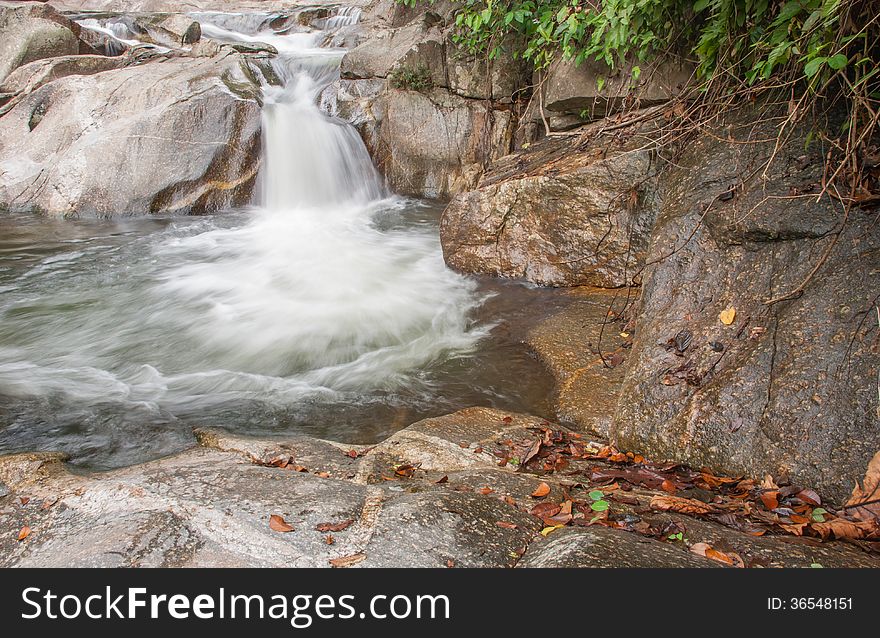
{"points": [[32, 31], [557, 214], [436, 144], [180, 135], [788, 385], [575, 89]]}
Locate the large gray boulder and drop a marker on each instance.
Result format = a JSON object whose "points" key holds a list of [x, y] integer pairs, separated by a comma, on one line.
{"points": [[181, 135], [32, 31], [786, 388], [556, 215]]}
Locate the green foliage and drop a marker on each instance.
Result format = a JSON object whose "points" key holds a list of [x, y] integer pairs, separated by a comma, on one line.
{"points": [[748, 40], [412, 79]]}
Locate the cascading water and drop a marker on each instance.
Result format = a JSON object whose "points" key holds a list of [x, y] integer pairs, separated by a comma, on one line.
{"points": [[327, 308]]}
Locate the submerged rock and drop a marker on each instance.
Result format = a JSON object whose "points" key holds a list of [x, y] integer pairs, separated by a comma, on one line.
{"points": [[181, 135]]}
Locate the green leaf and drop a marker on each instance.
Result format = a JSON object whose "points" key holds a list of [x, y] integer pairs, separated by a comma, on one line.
{"points": [[838, 61], [819, 514], [699, 5], [599, 506], [812, 67], [596, 495], [816, 565]]}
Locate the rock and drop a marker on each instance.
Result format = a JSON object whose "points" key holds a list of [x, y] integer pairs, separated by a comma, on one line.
{"points": [[573, 89], [567, 343], [602, 547], [465, 115], [429, 144], [32, 31], [556, 215], [789, 388], [178, 29], [29, 77], [210, 506], [182, 135]]}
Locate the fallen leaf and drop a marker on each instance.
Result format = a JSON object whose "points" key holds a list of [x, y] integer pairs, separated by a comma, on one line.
{"points": [[334, 527], [547, 530], [841, 528], [727, 316], [353, 454], [329, 539], [24, 533], [278, 524], [478, 450], [24, 499], [323, 474], [442, 479], [486, 490], [704, 549], [508, 419], [347, 561], [545, 510], [509, 500], [810, 497], [47, 504], [450, 563], [864, 503], [668, 486], [680, 505], [770, 500], [507, 525], [542, 490]]}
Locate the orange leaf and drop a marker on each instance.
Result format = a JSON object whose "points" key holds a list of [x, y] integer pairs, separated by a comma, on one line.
{"points": [[24, 533], [770, 500], [486, 490], [347, 561], [24, 499], [334, 527], [727, 316], [842, 528], [542, 490], [668, 486], [278, 524]]}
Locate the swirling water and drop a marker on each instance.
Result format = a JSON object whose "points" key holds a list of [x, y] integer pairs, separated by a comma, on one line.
{"points": [[325, 308]]}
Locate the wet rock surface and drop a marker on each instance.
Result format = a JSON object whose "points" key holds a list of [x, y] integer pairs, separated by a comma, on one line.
{"points": [[433, 495]]}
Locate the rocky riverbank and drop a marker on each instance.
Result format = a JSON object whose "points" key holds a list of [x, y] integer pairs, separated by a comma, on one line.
{"points": [[717, 317]]}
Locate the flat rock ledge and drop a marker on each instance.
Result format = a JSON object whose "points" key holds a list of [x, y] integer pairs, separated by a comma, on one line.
{"points": [[431, 495]]}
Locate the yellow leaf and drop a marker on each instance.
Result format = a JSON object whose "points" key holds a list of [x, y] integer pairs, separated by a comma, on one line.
{"points": [[727, 316], [547, 530]]}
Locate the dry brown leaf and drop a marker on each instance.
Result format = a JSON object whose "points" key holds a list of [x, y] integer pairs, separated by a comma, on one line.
{"points": [[868, 492], [797, 528], [442, 479], [704, 549], [507, 525], [486, 490], [727, 316], [24, 533], [329, 539], [542, 490], [770, 500], [278, 524], [680, 505], [24, 499], [323, 474], [842, 528], [668, 486], [347, 561], [334, 527]]}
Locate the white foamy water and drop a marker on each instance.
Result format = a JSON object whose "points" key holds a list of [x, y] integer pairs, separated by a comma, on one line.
{"points": [[321, 294]]}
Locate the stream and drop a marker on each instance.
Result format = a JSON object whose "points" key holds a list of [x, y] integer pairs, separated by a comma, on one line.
{"points": [[325, 308]]}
